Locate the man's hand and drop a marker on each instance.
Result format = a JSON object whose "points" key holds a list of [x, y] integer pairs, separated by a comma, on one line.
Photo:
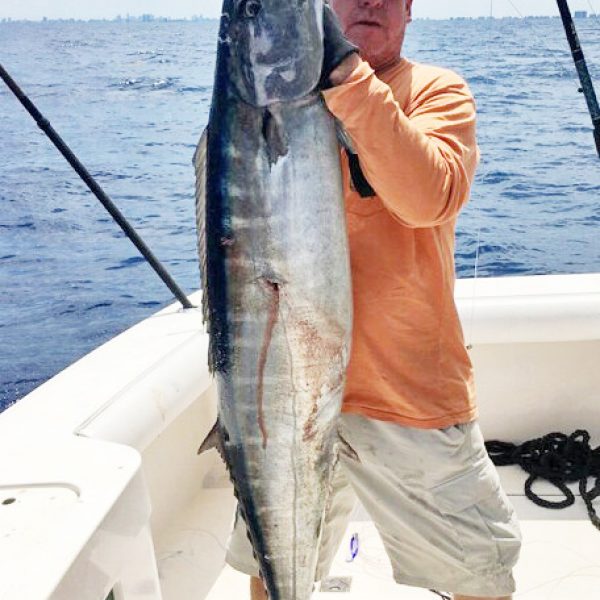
{"points": [[341, 73], [339, 53]]}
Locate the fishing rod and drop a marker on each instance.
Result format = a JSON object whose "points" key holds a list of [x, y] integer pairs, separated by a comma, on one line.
{"points": [[95, 188], [587, 87]]}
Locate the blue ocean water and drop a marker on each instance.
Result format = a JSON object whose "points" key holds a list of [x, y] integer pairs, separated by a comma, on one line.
{"points": [[131, 99]]}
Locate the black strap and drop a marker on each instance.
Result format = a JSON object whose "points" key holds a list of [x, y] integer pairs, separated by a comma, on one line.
{"points": [[359, 181]]}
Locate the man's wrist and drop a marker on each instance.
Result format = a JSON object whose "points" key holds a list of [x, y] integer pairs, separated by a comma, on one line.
{"points": [[344, 69]]}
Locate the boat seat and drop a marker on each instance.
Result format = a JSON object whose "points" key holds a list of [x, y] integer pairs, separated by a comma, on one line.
{"points": [[76, 527]]}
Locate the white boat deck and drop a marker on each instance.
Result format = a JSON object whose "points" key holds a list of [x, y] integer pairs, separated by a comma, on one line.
{"points": [[560, 558], [101, 483]]}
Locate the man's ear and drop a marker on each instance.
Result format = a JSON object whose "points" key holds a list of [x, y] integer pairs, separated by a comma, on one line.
{"points": [[409, 4]]}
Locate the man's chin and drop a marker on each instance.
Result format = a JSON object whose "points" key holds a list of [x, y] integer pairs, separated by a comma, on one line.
{"points": [[368, 53], [375, 59], [367, 40]]}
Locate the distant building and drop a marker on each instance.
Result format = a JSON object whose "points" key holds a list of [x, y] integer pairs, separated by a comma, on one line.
{"points": [[581, 14]]}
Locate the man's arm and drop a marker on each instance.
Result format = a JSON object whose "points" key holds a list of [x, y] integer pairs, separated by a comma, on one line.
{"points": [[420, 165]]}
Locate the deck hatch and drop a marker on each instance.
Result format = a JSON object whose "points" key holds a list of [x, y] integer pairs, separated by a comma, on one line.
{"points": [[336, 584]]}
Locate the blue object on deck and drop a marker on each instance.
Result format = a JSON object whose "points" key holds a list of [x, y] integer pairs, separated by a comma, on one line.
{"points": [[353, 547]]}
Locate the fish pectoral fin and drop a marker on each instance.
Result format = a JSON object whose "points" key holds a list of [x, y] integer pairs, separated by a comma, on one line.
{"points": [[275, 137], [213, 439]]}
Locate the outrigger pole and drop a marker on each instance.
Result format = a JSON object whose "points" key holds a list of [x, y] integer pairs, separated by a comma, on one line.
{"points": [[587, 87], [95, 188]]}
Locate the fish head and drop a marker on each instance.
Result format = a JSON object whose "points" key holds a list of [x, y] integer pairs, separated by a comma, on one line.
{"points": [[275, 48]]}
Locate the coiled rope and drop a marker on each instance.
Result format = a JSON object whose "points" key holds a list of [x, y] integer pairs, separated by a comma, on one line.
{"points": [[558, 458]]}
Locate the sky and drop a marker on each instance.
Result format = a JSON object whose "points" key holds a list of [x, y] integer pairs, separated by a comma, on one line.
{"points": [[437, 9]]}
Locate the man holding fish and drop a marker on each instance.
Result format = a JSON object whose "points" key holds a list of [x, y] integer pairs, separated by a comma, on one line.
{"points": [[414, 452]]}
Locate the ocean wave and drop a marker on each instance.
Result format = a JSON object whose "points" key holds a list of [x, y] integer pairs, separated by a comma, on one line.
{"points": [[145, 83], [127, 263]]}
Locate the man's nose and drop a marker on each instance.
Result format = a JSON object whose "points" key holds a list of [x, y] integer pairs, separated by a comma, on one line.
{"points": [[371, 3]]}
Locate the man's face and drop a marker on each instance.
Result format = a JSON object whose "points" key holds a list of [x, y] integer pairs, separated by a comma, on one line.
{"points": [[377, 27]]}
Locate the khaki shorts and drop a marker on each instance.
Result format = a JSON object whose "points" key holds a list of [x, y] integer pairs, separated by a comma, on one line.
{"points": [[435, 498]]}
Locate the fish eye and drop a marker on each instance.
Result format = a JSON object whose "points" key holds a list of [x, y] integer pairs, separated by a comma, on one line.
{"points": [[250, 8]]}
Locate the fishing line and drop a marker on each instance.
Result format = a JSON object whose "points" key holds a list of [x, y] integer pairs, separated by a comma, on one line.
{"points": [[594, 17], [474, 295], [516, 9], [587, 86], [487, 168], [94, 187], [568, 72], [478, 221], [594, 13]]}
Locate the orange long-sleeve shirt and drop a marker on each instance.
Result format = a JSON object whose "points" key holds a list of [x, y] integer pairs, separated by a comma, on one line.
{"points": [[413, 127]]}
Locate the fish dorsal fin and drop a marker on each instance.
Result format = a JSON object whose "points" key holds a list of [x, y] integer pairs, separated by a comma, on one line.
{"points": [[200, 168]]}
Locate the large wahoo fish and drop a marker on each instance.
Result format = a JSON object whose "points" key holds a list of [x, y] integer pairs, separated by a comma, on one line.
{"points": [[274, 257]]}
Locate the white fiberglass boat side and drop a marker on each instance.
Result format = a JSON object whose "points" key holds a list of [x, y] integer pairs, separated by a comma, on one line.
{"points": [[101, 489]]}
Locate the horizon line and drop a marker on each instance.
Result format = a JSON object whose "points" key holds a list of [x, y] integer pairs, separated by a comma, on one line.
{"points": [[146, 17]]}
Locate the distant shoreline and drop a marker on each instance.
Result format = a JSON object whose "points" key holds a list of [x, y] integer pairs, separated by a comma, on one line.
{"points": [[140, 19], [200, 19]]}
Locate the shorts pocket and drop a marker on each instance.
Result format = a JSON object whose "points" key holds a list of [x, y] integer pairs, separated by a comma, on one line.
{"points": [[501, 520], [482, 518], [453, 435]]}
